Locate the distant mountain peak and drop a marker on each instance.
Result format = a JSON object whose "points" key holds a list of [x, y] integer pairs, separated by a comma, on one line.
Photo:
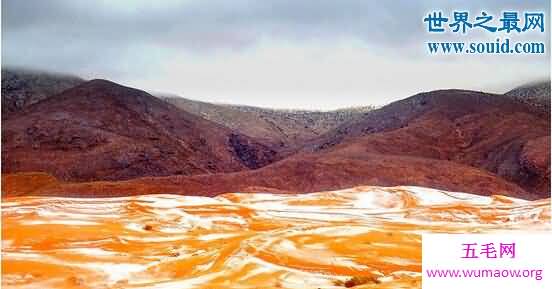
{"points": [[24, 87], [535, 95]]}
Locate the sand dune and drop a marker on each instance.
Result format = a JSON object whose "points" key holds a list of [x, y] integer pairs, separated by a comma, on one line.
{"points": [[367, 237]]}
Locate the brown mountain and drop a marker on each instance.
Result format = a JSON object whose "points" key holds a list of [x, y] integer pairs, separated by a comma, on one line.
{"points": [[21, 88], [278, 127], [486, 131], [452, 139], [100, 130]]}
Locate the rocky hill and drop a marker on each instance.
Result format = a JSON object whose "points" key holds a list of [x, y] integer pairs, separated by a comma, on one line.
{"points": [[100, 130], [486, 131]]}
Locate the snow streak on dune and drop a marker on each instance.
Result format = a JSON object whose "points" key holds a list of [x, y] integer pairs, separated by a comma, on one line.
{"points": [[367, 237]]}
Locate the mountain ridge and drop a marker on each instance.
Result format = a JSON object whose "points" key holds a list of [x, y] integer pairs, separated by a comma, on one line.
{"points": [[111, 136], [279, 127]]}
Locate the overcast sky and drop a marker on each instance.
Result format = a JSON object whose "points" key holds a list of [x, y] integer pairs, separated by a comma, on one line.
{"points": [[274, 53]]}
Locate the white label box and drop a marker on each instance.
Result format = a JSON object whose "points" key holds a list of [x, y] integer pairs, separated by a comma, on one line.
{"points": [[494, 260]]}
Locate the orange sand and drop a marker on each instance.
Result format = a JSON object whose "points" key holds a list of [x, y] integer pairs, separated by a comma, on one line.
{"points": [[366, 237]]}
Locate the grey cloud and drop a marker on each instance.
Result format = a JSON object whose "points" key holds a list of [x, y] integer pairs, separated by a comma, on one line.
{"points": [[128, 39], [218, 23]]}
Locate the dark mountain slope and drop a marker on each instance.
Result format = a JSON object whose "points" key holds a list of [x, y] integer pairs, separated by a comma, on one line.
{"points": [[100, 130]]}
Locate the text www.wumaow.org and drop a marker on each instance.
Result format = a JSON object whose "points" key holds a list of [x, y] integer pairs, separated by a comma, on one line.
{"points": [[484, 273]]}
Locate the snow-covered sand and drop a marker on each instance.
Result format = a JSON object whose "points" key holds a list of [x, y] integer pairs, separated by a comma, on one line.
{"points": [[370, 236]]}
